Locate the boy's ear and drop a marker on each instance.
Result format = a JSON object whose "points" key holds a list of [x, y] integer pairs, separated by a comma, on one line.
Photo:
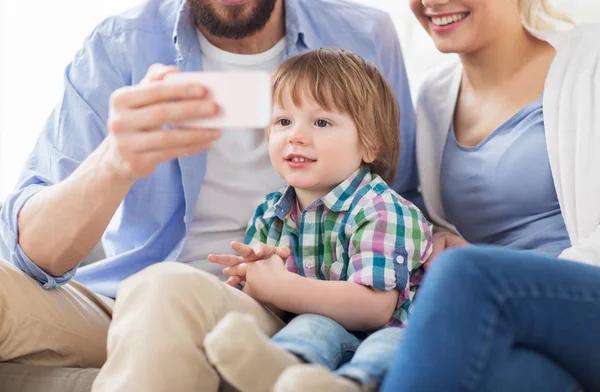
{"points": [[369, 156]]}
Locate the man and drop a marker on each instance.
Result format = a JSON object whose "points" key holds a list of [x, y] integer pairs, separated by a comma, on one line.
{"points": [[104, 167]]}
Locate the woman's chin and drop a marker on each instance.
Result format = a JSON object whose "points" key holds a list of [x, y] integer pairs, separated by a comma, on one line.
{"points": [[451, 47]]}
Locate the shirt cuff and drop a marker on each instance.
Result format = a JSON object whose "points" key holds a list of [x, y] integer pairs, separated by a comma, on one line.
{"points": [[16, 255], [47, 281], [378, 278]]}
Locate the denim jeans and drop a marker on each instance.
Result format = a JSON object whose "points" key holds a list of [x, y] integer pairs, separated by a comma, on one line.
{"points": [[491, 319], [321, 340]]}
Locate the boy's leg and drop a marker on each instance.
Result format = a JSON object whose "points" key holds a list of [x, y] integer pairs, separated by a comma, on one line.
{"points": [[160, 320], [66, 326], [373, 358], [251, 362], [364, 372], [317, 339], [244, 355]]}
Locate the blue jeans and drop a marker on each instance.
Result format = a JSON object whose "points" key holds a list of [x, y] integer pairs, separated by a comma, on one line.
{"points": [[490, 319], [321, 340]]}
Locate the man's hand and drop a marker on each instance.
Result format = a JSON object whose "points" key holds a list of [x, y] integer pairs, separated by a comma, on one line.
{"points": [[137, 142], [246, 254], [444, 239]]}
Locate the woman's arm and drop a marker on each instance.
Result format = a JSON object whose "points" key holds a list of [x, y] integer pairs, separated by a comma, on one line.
{"points": [[444, 239]]}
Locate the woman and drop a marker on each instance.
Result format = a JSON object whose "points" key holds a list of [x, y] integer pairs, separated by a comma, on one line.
{"points": [[508, 150]]}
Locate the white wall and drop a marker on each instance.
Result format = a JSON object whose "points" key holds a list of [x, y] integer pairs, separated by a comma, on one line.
{"points": [[36, 46]]}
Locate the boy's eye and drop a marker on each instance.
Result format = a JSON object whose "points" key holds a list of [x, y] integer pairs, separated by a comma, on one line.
{"points": [[322, 123], [284, 122]]}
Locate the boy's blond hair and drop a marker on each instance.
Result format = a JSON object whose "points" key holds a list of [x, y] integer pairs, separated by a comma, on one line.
{"points": [[339, 80]]}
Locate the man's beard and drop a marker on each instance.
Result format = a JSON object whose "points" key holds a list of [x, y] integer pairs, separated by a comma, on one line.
{"points": [[237, 21]]}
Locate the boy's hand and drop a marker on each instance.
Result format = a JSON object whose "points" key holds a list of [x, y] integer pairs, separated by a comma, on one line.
{"points": [[246, 254], [262, 275]]}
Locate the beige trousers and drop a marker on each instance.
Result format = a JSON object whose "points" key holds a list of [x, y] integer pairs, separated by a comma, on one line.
{"points": [[155, 338], [62, 327], [162, 314]]}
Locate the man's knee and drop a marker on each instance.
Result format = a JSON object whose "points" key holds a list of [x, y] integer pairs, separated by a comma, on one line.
{"points": [[172, 279]]}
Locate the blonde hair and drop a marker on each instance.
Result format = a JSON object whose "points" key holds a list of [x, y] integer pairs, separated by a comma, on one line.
{"points": [[542, 15], [336, 79]]}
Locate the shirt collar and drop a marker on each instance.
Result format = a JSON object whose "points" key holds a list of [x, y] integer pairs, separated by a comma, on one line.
{"points": [[183, 22], [341, 197], [296, 24], [338, 200], [297, 27]]}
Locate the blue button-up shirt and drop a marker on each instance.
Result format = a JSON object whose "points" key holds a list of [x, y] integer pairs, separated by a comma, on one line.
{"points": [[151, 223]]}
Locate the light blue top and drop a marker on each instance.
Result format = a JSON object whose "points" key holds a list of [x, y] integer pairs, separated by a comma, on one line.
{"points": [[149, 225], [501, 191]]}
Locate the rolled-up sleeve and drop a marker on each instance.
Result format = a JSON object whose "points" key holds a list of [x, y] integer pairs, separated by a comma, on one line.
{"points": [[9, 246], [391, 241], [74, 129]]}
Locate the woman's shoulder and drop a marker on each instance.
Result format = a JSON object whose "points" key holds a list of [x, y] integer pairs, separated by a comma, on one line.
{"points": [[585, 30], [561, 40], [576, 59]]}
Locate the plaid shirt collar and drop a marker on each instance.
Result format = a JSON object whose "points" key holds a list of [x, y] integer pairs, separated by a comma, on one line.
{"points": [[338, 200]]}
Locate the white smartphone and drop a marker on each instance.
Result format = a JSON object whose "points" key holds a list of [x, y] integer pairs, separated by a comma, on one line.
{"points": [[244, 98]]}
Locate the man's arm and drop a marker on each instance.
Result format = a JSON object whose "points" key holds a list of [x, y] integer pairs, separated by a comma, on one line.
{"points": [[61, 224], [82, 168]]}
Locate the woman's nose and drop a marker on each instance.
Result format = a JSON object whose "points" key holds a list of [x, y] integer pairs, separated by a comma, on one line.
{"points": [[434, 3]]}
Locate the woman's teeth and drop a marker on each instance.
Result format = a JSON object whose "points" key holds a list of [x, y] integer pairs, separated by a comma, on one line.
{"points": [[446, 20]]}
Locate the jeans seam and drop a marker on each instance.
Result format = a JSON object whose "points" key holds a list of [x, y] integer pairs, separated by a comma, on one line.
{"points": [[478, 362]]}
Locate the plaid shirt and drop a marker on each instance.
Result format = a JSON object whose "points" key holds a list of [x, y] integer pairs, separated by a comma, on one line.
{"points": [[362, 232]]}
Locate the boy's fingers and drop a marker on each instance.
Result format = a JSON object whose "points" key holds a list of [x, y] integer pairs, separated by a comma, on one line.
{"points": [[225, 260], [234, 280], [242, 249], [263, 250], [236, 270], [283, 252]]}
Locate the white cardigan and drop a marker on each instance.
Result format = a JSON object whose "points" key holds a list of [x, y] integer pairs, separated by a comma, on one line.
{"points": [[571, 106]]}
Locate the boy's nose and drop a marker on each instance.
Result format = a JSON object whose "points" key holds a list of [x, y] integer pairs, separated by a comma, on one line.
{"points": [[299, 135]]}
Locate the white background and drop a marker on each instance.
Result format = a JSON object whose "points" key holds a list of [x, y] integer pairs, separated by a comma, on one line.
{"points": [[38, 39]]}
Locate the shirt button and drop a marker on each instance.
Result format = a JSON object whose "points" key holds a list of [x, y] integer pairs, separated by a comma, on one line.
{"points": [[400, 259], [309, 263]]}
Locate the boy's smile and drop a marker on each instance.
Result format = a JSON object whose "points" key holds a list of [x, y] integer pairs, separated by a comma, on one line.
{"points": [[313, 149]]}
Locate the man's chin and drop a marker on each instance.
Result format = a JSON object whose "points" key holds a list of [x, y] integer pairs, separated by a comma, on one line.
{"points": [[233, 19], [232, 2]]}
